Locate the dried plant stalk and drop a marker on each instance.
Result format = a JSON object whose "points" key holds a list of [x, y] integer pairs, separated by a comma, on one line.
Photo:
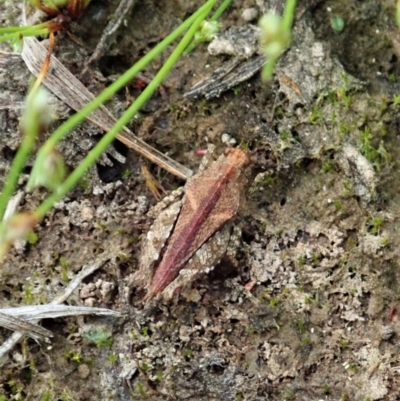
{"points": [[17, 324], [71, 91]]}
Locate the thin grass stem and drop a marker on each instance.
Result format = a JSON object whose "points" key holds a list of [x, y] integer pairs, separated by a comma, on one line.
{"points": [[224, 5], [94, 154], [30, 129]]}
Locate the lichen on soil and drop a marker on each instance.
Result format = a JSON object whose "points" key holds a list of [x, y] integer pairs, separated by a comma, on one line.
{"points": [[309, 309]]}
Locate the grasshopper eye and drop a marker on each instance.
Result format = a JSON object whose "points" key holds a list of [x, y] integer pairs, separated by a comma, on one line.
{"points": [[227, 151], [246, 161], [238, 156]]}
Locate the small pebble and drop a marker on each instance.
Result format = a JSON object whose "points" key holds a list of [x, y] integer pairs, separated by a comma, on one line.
{"points": [[387, 332], [18, 357], [228, 140], [89, 302], [87, 213], [83, 371], [250, 14], [87, 291]]}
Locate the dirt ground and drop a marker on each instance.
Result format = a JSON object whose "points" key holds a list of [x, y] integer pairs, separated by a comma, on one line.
{"points": [[309, 308]]}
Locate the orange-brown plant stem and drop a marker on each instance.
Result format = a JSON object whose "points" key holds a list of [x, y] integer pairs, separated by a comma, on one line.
{"points": [[46, 64]]}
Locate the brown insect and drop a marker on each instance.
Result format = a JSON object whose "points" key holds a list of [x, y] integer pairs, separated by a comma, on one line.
{"points": [[212, 197]]}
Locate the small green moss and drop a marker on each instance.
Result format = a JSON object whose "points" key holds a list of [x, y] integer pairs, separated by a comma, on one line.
{"points": [[343, 343], [126, 174], [132, 239], [32, 238], [344, 128], [112, 358], [338, 204], [28, 295], [66, 395], [301, 326], [187, 353], [252, 330], [375, 225], [280, 113], [159, 375], [396, 100], [84, 184], [145, 367], [309, 299], [73, 356], [345, 97], [101, 225], [284, 135], [351, 243], [268, 180], [300, 261], [383, 106], [353, 368], [46, 396], [145, 331], [290, 395], [64, 268], [334, 117], [99, 337], [141, 389], [384, 241], [326, 389], [333, 100], [337, 24], [89, 361], [315, 115], [371, 153], [327, 166], [348, 189], [236, 90], [273, 302]]}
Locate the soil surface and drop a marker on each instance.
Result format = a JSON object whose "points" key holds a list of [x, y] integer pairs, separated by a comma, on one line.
{"points": [[308, 309]]}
